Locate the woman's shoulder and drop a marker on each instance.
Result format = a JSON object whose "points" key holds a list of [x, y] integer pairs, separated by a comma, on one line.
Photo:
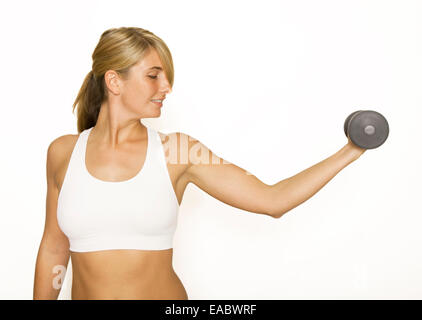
{"points": [[63, 142], [61, 147], [58, 152]]}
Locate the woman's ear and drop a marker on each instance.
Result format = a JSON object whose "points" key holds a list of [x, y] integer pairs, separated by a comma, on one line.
{"points": [[112, 81]]}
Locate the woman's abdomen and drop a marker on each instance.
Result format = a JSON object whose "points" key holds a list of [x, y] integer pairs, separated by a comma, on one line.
{"points": [[125, 274]]}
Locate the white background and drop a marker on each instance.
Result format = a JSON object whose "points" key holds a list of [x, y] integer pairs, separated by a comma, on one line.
{"points": [[265, 85]]}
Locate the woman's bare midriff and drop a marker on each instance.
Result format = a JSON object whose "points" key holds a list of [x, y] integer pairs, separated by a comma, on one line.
{"points": [[125, 274]]}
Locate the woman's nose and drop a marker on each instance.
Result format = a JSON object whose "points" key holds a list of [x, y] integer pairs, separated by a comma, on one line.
{"points": [[166, 88]]}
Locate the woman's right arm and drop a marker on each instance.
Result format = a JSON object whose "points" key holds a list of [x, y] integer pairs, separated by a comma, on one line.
{"points": [[53, 254]]}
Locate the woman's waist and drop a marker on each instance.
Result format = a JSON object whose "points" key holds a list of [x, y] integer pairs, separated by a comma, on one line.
{"points": [[125, 275], [122, 267]]}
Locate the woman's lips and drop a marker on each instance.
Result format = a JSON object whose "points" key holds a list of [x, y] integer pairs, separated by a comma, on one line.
{"points": [[160, 104]]}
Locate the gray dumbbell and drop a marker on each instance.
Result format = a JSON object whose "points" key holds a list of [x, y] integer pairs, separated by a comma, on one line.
{"points": [[367, 129]]}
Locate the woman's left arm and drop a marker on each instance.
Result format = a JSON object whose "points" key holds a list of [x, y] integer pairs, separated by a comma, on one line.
{"points": [[238, 188]]}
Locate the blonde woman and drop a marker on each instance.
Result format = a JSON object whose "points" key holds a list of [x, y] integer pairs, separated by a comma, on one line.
{"points": [[113, 193]]}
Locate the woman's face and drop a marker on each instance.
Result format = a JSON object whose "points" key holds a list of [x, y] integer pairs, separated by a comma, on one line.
{"points": [[146, 82]]}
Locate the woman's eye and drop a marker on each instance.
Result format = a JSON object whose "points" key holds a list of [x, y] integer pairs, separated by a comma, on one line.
{"points": [[153, 77]]}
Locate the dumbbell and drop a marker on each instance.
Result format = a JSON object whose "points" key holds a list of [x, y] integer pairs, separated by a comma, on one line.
{"points": [[366, 128]]}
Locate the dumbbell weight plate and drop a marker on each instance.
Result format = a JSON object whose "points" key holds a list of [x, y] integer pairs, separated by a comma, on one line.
{"points": [[346, 123], [368, 129]]}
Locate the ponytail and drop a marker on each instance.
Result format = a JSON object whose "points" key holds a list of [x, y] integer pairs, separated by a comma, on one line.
{"points": [[88, 101]]}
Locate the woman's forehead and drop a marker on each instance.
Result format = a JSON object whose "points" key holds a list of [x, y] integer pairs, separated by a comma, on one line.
{"points": [[150, 62]]}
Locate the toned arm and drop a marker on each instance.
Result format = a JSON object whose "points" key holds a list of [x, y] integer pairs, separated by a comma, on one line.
{"points": [[236, 187], [54, 246]]}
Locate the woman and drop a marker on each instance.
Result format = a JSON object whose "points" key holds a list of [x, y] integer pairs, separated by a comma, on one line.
{"points": [[113, 193]]}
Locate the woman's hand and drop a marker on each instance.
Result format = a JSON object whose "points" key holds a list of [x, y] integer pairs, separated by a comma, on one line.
{"points": [[355, 151]]}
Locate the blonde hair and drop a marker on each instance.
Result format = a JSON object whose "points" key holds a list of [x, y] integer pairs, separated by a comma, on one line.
{"points": [[118, 49]]}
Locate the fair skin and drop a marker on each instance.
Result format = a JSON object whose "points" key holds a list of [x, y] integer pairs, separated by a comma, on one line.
{"points": [[129, 101], [115, 151]]}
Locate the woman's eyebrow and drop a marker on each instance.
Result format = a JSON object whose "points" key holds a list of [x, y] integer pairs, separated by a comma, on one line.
{"points": [[155, 67]]}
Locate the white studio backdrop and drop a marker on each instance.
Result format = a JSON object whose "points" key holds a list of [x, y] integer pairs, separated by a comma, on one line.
{"points": [[265, 85]]}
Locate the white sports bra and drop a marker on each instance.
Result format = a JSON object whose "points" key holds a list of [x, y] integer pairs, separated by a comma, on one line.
{"points": [[139, 213]]}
